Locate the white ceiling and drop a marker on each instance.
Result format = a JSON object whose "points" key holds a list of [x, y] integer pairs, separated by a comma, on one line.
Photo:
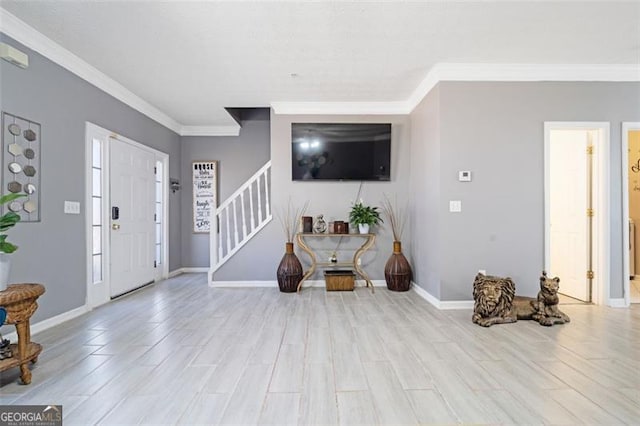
{"points": [[192, 59]]}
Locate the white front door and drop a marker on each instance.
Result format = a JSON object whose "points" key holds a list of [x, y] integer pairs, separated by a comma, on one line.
{"points": [[570, 233], [132, 230]]}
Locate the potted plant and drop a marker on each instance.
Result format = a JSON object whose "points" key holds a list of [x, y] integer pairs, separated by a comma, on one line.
{"points": [[397, 271], [364, 216], [289, 271], [7, 221]]}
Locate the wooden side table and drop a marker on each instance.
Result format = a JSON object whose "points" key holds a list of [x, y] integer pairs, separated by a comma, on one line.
{"points": [[369, 240], [20, 302]]}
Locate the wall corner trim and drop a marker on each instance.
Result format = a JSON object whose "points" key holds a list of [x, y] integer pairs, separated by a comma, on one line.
{"points": [[52, 322]]}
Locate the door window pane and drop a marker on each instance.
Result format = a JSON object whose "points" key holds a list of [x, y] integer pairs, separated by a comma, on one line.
{"points": [[97, 268]]}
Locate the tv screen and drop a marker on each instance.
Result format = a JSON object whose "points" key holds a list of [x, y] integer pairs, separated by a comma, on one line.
{"points": [[341, 151]]}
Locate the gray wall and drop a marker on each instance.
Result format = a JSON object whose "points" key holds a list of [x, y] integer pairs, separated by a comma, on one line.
{"points": [[425, 193], [238, 159], [496, 131], [53, 251], [333, 199]]}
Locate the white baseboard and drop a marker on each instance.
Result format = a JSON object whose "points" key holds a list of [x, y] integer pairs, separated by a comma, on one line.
{"points": [[307, 283], [194, 270], [618, 303], [442, 305], [51, 322], [175, 273], [216, 284]]}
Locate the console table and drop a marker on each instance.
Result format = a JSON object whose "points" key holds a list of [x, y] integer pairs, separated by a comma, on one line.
{"points": [[369, 240], [20, 302]]}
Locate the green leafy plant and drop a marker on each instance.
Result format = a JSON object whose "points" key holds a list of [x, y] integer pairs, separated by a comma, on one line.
{"points": [[8, 221], [361, 214]]}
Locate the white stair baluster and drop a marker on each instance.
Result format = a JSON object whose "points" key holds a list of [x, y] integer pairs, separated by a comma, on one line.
{"points": [[259, 189], [226, 213], [267, 206], [235, 223], [253, 221], [244, 219]]}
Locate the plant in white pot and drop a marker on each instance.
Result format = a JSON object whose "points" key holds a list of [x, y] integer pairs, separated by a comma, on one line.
{"points": [[364, 216], [7, 221]]}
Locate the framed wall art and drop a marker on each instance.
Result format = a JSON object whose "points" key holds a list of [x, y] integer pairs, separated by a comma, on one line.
{"points": [[205, 194], [21, 139]]}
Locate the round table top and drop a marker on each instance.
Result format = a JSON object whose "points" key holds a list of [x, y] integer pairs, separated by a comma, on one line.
{"points": [[17, 292]]}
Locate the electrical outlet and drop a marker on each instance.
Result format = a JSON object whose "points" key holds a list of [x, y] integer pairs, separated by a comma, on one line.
{"points": [[455, 206]]}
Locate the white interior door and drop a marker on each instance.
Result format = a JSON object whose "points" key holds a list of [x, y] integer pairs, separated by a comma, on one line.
{"points": [[569, 222], [132, 231]]}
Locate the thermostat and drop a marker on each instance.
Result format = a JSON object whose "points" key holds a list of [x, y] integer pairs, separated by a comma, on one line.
{"points": [[464, 176]]}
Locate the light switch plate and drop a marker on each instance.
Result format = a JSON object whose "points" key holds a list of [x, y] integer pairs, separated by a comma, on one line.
{"points": [[464, 176], [455, 206], [72, 207]]}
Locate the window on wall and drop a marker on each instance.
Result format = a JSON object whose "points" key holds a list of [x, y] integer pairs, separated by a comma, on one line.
{"points": [[97, 199], [158, 213]]}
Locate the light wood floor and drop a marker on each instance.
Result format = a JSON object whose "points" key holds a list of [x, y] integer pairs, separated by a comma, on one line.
{"points": [[182, 353]]}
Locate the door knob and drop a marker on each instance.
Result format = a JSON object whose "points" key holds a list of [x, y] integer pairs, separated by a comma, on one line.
{"points": [[115, 226]]}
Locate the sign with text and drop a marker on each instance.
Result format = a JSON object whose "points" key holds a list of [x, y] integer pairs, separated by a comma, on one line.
{"points": [[205, 194], [30, 415]]}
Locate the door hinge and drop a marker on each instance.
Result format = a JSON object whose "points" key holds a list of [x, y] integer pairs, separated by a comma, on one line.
{"points": [[590, 150], [155, 170], [590, 275], [590, 212], [155, 217], [155, 264]]}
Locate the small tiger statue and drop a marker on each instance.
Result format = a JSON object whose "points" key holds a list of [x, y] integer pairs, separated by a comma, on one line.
{"points": [[546, 304]]}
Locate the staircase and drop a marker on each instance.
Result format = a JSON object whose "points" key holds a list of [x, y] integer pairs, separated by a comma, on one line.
{"points": [[239, 218]]}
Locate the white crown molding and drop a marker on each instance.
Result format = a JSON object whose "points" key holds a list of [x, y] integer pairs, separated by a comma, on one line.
{"points": [[210, 130], [340, 108], [467, 72], [20, 31], [521, 72]]}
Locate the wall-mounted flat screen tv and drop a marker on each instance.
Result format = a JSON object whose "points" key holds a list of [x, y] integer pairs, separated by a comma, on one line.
{"points": [[341, 151]]}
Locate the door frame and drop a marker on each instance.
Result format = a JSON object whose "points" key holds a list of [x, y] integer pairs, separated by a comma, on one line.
{"points": [[98, 294], [626, 127], [601, 249]]}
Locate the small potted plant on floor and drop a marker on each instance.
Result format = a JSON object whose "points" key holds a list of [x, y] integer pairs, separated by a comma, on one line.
{"points": [[7, 221], [364, 216]]}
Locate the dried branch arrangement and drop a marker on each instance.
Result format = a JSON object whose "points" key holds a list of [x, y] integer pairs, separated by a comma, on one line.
{"points": [[396, 216], [290, 217]]}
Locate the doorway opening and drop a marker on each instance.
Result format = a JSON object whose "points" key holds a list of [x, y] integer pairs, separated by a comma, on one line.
{"points": [[126, 230], [631, 211], [577, 209]]}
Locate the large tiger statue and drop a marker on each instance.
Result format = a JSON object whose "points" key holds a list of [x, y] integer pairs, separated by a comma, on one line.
{"points": [[496, 302]]}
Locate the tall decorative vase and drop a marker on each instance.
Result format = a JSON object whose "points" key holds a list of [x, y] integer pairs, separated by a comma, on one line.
{"points": [[289, 271], [363, 228], [397, 271], [5, 267]]}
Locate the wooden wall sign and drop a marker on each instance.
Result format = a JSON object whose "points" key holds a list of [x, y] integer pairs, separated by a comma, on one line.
{"points": [[205, 194]]}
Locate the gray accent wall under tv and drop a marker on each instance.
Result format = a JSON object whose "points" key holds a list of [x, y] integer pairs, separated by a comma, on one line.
{"points": [[52, 251]]}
